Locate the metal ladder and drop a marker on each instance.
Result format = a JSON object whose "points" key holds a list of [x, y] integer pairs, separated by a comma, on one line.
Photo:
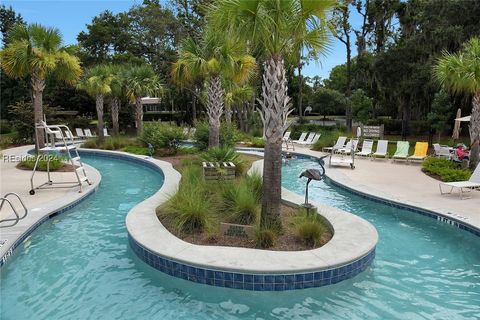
{"points": [[17, 216], [54, 133]]}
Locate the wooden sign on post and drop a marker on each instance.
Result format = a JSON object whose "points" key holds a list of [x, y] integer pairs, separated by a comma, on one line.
{"points": [[218, 171], [373, 131]]}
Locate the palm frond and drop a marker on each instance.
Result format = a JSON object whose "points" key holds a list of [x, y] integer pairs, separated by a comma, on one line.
{"points": [[460, 72]]}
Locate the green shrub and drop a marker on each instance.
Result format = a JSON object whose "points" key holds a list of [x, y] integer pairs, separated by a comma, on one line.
{"points": [[137, 150], [309, 228], [187, 150], [229, 135], [5, 127], [161, 135], [90, 144], [113, 143], [240, 203], [257, 142], [445, 169], [265, 238], [55, 162]]}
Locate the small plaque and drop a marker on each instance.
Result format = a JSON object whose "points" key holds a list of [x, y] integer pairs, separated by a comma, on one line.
{"points": [[237, 230]]}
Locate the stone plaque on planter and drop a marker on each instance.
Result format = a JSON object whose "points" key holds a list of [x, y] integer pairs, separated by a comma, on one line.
{"points": [[237, 230], [218, 171]]}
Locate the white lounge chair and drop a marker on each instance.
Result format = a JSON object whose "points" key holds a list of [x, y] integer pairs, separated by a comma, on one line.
{"points": [[351, 145], [338, 145], [367, 147], [185, 131], [286, 139], [88, 133], [80, 134], [301, 139], [442, 151], [309, 138], [310, 141], [105, 132], [471, 184], [382, 149]]}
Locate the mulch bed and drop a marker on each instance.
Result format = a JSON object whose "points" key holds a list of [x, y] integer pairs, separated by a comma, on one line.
{"points": [[286, 241]]}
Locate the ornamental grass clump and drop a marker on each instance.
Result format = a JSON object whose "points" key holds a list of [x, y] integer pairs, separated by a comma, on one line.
{"points": [[191, 209], [254, 182], [265, 238], [309, 228], [240, 203]]}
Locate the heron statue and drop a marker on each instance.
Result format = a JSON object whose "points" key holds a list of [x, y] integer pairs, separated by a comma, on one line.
{"points": [[312, 174]]}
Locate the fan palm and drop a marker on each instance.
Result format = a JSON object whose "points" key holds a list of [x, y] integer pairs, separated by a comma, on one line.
{"points": [[97, 83], [235, 96], [118, 91], [274, 28], [141, 81], [214, 58], [460, 73], [36, 51]]}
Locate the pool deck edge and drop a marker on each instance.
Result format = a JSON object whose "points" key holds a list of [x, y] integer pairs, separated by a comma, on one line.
{"points": [[350, 251], [17, 234]]}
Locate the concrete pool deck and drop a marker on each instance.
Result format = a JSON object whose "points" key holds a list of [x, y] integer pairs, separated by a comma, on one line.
{"points": [[402, 183], [40, 206]]}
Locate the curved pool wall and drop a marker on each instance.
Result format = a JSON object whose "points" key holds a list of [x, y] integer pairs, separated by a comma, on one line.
{"points": [[108, 281], [60, 207], [451, 220], [50, 211], [350, 251]]}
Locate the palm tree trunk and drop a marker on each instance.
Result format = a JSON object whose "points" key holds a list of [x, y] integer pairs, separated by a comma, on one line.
{"points": [[99, 106], [300, 89], [474, 128], [275, 108], [115, 105], [214, 110], [38, 85], [228, 115], [139, 115]]}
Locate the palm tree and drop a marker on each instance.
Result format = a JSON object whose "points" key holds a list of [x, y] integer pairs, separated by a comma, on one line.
{"points": [[273, 29], [36, 51], [97, 83], [212, 60], [235, 96], [118, 91], [141, 81], [460, 73]]}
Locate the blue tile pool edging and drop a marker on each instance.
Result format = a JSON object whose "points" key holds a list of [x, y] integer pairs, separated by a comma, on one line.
{"points": [[48, 216], [55, 213], [424, 212], [252, 281], [249, 280]]}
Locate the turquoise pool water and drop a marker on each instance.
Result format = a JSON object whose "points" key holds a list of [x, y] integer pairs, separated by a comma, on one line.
{"points": [[79, 266]]}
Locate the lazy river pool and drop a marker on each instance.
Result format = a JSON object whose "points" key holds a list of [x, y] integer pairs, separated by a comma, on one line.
{"points": [[78, 265]]}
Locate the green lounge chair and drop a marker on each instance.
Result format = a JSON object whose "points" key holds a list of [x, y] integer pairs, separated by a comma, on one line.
{"points": [[402, 150]]}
